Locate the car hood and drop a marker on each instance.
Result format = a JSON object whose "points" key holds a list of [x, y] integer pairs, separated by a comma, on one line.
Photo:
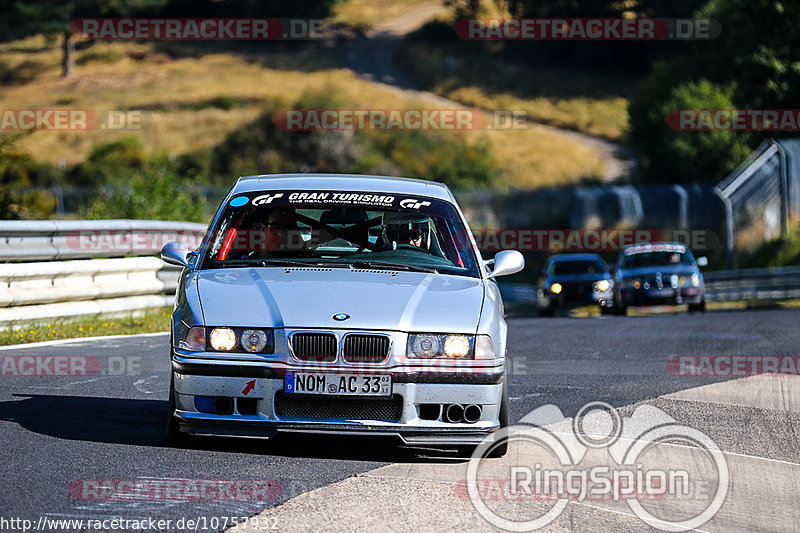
{"points": [[665, 270], [308, 297]]}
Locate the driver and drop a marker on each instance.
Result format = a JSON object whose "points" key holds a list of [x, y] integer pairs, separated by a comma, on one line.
{"points": [[279, 232], [407, 228]]}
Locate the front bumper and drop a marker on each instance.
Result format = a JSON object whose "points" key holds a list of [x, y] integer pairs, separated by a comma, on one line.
{"points": [[260, 387], [592, 297], [681, 295]]}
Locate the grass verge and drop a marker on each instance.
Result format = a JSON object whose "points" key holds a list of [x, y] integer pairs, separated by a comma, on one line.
{"points": [[150, 321], [595, 103]]}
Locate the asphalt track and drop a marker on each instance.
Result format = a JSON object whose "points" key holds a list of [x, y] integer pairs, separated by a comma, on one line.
{"points": [[59, 434]]}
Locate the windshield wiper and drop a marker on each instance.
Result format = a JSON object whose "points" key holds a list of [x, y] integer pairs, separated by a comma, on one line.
{"points": [[393, 266]]}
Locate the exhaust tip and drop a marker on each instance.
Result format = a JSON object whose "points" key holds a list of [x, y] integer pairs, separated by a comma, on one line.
{"points": [[223, 405], [454, 413], [472, 413]]}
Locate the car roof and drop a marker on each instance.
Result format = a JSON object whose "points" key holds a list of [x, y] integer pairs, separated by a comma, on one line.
{"points": [[346, 182], [656, 243]]}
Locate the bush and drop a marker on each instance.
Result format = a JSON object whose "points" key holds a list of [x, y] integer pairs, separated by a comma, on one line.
{"points": [[156, 193], [783, 251], [263, 148], [684, 156], [108, 161]]}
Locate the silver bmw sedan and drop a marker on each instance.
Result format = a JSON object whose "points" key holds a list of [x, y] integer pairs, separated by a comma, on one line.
{"points": [[339, 303]]}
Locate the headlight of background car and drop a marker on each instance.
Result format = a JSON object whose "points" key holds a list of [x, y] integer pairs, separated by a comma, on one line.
{"points": [[556, 288], [452, 346], [225, 339], [602, 285], [695, 280]]}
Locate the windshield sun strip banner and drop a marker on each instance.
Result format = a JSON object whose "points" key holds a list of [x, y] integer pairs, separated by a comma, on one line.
{"points": [[327, 198]]}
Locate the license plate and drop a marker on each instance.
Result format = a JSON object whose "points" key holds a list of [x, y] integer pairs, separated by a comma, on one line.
{"points": [[661, 293], [337, 384]]}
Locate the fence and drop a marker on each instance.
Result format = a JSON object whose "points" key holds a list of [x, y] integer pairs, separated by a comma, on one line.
{"points": [[592, 207], [761, 195]]}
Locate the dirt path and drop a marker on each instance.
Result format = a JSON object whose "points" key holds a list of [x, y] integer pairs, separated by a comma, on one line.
{"points": [[372, 58]]}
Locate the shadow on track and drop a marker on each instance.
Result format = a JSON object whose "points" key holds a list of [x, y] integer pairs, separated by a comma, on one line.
{"points": [[141, 423]]}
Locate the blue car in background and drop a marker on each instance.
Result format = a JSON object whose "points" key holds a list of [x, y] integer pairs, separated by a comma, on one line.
{"points": [[575, 280], [662, 273]]}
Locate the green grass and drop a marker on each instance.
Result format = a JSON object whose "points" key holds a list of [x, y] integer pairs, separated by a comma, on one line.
{"points": [[195, 101], [150, 321], [592, 102]]}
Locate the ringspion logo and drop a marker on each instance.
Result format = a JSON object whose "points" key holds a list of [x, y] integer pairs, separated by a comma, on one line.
{"points": [[671, 476]]}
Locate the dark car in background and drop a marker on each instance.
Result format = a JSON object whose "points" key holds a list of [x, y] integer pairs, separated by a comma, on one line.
{"points": [[663, 273], [574, 280]]}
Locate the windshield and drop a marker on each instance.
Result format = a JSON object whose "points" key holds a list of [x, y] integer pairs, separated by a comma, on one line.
{"points": [[567, 268], [341, 228], [655, 259]]}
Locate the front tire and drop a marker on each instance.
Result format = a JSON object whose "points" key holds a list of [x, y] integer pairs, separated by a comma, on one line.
{"points": [[499, 450], [174, 435], [699, 307]]}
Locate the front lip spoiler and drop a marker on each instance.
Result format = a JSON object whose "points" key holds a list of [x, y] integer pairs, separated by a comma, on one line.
{"points": [[268, 430], [460, 376]]}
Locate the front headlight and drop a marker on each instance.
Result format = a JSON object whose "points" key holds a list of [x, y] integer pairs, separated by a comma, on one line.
{"points": [[695, 280], [248, 340], [253, 340], [556, 288], [432, 345], [602, 285], [222, 339]]}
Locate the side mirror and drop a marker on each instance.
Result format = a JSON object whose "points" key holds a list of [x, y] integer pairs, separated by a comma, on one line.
{"points": [[702, 261], [175, 253], [507, 262]]}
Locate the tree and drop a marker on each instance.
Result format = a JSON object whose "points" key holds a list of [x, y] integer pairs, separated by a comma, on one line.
{"points": [[754, 63], [52, 18]]}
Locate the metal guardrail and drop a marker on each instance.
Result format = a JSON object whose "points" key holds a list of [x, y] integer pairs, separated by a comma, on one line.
{"points": [[83, 284], [36, 240], [73, 280], [753, 284]]}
